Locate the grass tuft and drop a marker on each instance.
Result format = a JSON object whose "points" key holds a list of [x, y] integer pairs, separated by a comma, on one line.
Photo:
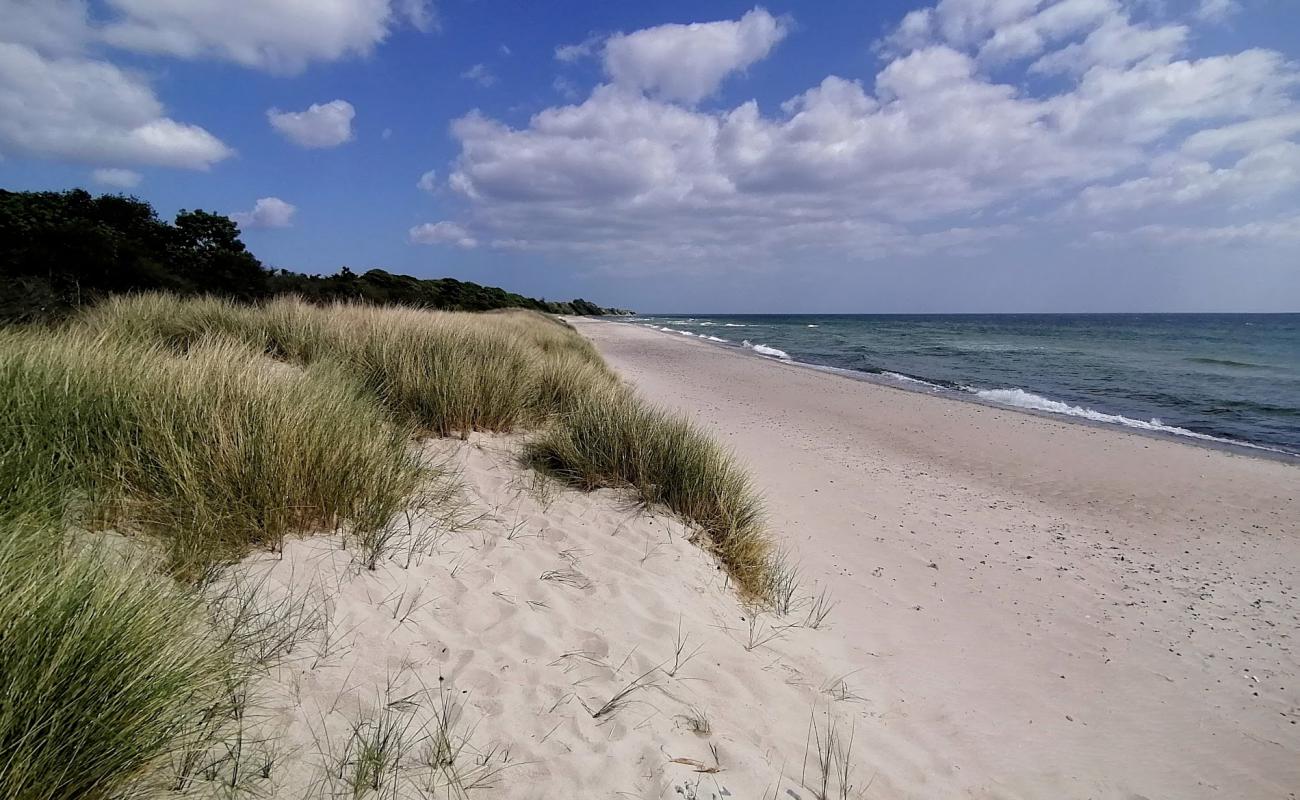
{"points": [[104, 668], [610, 438]]}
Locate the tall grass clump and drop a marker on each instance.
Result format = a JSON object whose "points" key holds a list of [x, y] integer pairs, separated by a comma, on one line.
{"points": [[213, 449], [443, 372], [611, 438], [105, 668]]}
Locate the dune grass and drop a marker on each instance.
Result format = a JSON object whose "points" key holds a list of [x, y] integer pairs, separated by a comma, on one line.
{"points": [[105, 667], [610, 438], [443, 372], [212, 450]]}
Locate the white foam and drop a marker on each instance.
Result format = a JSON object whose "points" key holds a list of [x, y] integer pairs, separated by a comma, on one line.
{"points": [[814, 326], [901, 378], [715, 339], [734, 325], [764, 350], [686, 333], [1019, 398]]}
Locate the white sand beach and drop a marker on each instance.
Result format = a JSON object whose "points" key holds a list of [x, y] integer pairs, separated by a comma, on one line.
{"points": [[1034, 608]]}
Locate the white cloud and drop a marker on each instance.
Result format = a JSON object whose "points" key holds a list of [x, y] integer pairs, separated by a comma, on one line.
{"points": [[1243, 136], [689, 62], [267, 212], [428, 181], [58, 27], [1283, 230], [276, 35], [321, 125], [1217, 10], [442, 233], [568, 53], [90, 111], [480, 74], [119, 178], [1259, 176], [934, 154]]}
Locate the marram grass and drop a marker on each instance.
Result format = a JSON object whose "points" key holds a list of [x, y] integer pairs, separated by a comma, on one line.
{"points": [[443, 372], [106, 667], [213, 450], [610, 438]]}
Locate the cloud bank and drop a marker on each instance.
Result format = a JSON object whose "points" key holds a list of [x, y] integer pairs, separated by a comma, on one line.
{"points": [[943, 149]]}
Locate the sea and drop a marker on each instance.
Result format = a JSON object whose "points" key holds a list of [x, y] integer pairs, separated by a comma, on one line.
{"points": [[1231, 380]]}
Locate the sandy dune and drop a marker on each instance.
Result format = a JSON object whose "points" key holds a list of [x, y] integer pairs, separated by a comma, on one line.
{"points": [[1033, 608], [528, 621]]}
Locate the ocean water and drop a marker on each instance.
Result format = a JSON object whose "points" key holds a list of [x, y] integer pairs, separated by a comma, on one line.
{"points": [[1230, 379]]}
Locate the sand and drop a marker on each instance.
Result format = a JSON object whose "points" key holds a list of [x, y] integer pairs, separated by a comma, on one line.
{"points": [[1026, 608], [1037, 608], [529, 620]]}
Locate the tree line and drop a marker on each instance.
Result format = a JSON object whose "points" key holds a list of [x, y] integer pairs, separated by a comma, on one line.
{"points": [[62, 250]]}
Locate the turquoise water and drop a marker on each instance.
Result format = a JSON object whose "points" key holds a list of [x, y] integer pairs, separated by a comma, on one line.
{"points": [[1228, 378]]}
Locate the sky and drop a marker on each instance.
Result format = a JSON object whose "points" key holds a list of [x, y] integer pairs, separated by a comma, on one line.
{"points": [[701, 157]]}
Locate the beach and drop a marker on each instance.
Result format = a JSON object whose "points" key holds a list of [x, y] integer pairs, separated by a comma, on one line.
{"points": [[1031, 607]]}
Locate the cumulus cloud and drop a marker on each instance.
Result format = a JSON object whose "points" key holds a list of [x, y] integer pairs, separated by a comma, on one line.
{"points": [[933, 153], [1258, 176], [442, 233], [428, 181], [119, 178], [282, 36], [79, 109], [267, 212], [321, 125], [689, 62]]}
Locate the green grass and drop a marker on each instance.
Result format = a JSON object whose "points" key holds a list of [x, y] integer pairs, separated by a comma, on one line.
{"points": [[611, 438], [105, 668], [212, 450], [443, 372]]}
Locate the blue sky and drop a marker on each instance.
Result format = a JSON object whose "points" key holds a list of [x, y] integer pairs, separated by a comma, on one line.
{"points": [[964, 155]]}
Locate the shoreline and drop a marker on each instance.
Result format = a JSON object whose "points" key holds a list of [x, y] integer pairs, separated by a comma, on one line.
{"points": [[927, 388], [1033, 608]]}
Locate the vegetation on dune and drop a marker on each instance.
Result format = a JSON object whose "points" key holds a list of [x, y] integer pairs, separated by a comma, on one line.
{"points": [[610, 438], [445, 373], [106, 668], [210, 426], [212, 450], [63, 250]]}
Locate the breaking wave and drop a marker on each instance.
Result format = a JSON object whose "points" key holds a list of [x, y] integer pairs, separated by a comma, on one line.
{"points": [[1019, 398], [764, 350]]}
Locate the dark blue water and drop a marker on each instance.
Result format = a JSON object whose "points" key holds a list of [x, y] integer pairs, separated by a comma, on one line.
{"points": [[1231, 377]]}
